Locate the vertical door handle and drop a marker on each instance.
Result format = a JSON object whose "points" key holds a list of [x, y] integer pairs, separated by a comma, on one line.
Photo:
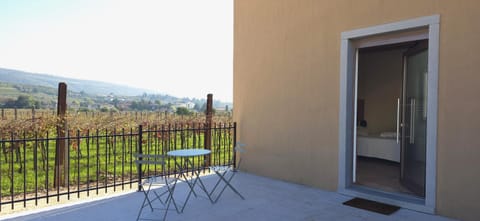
{"points": [[398, 119], [412, 121]]}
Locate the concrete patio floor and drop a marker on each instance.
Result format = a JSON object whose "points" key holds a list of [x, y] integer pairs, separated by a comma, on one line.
{"points": [[266, 199]]}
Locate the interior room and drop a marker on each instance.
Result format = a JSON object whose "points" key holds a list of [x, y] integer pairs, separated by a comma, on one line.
{"points": [[379, 92]]}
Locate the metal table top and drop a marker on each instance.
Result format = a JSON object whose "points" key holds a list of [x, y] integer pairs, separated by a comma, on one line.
{"points": [[188, 152]]}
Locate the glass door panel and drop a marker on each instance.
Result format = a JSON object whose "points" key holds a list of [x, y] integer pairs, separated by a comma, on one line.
{"points": [[414, 119]]}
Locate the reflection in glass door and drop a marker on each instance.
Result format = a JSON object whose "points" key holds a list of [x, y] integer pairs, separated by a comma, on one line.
{"points": [[414, 119]]}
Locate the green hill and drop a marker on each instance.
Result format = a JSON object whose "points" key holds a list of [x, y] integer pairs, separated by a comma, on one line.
{"points": [[42, 89], [76, 85]]}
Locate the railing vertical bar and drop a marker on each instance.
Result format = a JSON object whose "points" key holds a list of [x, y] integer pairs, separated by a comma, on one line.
{"points": [[182, 136], [166, 168], [12, 175], [79, 144], [170, 142], [106, 161], [219, 146], [24, 169], [215, 145], [114, 158], [175, 136], [230, 137], [207, 161], [218, 143], [202, 132], [156, 150], [47, 186], [123, 158], [225, 139], [194, 139], [226, 148], [130, 143], [88, 162], [139, 150], [234, 143], [187, 135], [164, 150], [98, 161], [57, 183], [216, 154], [230, 133], [148, 150], [35, 165], [68, 164]]}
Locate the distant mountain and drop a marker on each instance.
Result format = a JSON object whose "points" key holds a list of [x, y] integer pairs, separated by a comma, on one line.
{"points": [[87, 86], [44, 87]]}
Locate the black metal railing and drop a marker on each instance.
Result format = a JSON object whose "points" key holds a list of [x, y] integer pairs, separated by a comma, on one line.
{"points": [[100, 160]]}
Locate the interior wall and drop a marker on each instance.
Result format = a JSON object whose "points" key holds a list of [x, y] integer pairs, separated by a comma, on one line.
{"points": [[379, 85], [286, 89]]}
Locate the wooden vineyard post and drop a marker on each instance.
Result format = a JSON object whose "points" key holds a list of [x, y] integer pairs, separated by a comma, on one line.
{"points": [[61, 151], [33, 113], [208, 125]]}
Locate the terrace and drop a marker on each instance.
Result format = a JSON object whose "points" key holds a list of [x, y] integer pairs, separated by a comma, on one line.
{"points": [[266, 199], [102, 166]]}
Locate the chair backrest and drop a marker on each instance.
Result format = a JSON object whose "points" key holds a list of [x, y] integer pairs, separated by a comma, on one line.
{"points": [[239, 147], [152, 159], [239, 150]]}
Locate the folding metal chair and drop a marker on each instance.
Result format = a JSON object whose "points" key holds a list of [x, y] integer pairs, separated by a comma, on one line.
{"points": [[150, 184], [227, 172]]}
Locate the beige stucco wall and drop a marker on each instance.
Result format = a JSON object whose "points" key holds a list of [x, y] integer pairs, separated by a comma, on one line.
{"points": [[286, 89]]}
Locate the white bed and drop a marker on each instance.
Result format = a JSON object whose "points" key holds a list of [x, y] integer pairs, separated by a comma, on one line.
{"points": [[383, 146]]}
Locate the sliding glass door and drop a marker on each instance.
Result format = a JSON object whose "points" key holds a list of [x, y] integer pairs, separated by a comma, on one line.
{"points": [[414, 119]]}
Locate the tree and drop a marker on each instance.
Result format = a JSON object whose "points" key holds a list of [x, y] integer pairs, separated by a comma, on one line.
{"points": [[23, 101], [104, 109], [115, 102], [38, 105], [134, 105], [86, 102], [183, 111], [9, 103]]}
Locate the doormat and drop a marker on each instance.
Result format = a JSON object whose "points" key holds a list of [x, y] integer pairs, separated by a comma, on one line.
{"points": [[373, 206]]}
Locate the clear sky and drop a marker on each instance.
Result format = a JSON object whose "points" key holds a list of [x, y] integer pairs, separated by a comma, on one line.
{"points": [[179, 47]]}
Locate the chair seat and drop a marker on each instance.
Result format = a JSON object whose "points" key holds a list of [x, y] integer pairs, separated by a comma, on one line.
{"points": [[220, 168], [159, 180]]}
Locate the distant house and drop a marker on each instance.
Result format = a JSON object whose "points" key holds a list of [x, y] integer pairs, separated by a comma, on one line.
{"points": [[372, 99], [189, 105]]}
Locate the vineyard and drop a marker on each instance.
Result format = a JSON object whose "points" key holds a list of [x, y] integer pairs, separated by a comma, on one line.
{"points": [[43, 121], [100, 149]]}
